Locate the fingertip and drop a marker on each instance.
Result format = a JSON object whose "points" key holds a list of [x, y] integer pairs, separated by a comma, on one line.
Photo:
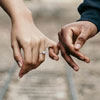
{"points": [[21, 75], [87, 60], [56, 58], [20, 64], [52, 54], [22, 72], [76, 68]]}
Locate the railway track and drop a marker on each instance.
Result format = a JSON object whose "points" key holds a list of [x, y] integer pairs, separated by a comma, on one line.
{"points": [[5, 81], [41, 90]]}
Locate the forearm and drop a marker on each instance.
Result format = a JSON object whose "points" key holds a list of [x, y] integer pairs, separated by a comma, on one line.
{"points": [[15, 9]]}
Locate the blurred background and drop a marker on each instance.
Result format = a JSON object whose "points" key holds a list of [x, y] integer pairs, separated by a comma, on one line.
{"points": [[52, 80]]}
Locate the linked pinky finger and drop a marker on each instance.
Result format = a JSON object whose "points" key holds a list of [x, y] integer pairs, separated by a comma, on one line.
{"points": [[52, 54]]}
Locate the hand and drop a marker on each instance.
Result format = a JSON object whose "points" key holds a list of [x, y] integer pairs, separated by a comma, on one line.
{"points": [[71, 39], [27, 37]]}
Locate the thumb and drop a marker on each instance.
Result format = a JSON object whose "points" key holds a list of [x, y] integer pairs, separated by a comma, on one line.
{"points": [[81, 39]]}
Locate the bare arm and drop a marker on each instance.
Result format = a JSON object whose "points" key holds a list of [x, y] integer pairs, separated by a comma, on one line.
{"points": [[15, 8], [26, 36]]}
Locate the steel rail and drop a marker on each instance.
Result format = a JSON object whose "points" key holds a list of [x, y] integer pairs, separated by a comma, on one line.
{"points": [[7, 82], [71, 85]]}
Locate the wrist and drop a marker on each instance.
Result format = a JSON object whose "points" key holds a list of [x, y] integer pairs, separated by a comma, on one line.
{"points": [[91, 26], [23, 14]]}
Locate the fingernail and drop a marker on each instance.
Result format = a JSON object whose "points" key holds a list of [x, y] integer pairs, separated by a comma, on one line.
{"points": [[55, 58], [21, 75], [87, 60], [76, 68], [77, 46], [82, 58], [20, 64]]}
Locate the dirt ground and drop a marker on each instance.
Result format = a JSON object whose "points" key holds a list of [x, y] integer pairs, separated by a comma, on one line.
{"points": [[48, 82]]}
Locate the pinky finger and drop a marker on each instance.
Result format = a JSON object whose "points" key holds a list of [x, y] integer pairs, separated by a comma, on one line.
{"points": [[52, 54]]}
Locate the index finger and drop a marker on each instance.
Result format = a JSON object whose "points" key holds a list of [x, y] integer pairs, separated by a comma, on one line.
{"points": [[67, 42]]}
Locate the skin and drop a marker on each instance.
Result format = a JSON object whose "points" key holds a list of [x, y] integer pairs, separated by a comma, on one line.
{"points": [[72, 37], [26, 36]]}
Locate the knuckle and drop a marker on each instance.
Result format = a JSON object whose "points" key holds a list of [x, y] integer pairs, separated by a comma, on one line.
{"points": [[16, 57], [82, 38], [36, 42], [27, 43], [34, 63], [62, 29], [65, 29], [42, 39], [28, 62], [55, 45]]}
